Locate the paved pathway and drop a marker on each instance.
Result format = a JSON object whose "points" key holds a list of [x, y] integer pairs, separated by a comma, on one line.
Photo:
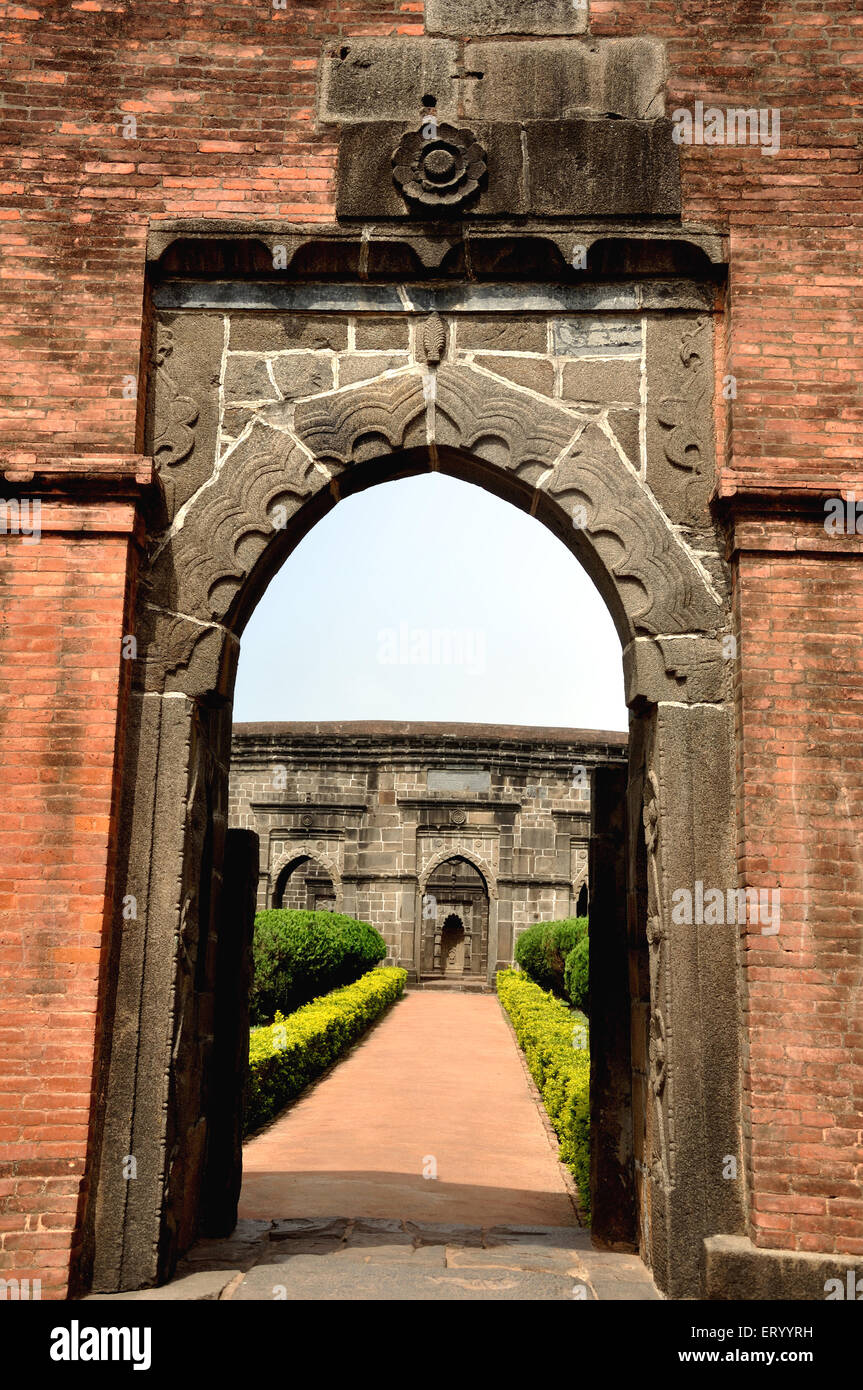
{"points": [[437, 1085], [335, 1204]]}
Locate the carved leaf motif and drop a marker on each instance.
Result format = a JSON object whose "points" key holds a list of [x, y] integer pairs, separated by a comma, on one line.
{"points": [[658, 1050], [176, 438], [434, 338]]}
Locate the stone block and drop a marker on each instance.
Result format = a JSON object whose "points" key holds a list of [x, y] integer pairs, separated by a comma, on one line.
{"points": [[553, 168], [681, 460], [303, 375], [387, 79], [247, 379], [602, 168], [503, 333], [596, 336], [364, 177], [183, 401], [494, 17], [274, 332], [602, 382], [525, 371], [737, 1269], [626, 425], [690, 670], [364, 367], [382, 333], [549, 80]]}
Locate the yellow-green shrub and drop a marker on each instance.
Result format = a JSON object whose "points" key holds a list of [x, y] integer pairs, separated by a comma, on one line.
{"points": [[284, 1056], [554, 1040]]}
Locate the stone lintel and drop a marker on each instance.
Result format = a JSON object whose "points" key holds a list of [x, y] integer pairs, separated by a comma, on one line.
{"points": [[420, 300], [580, 167]]}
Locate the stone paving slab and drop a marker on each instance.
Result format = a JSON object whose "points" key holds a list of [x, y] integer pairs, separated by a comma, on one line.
{"points": [[389, 1260], [336, 1280], [192, 1288]]}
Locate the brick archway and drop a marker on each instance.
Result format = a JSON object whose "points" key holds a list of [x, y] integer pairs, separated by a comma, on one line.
{"points": [[206, 571]]}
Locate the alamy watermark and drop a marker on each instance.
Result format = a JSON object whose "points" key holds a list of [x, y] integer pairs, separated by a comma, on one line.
{"points": [[844, 516], [736, 125], [714, 907], [433, 646], [21, 516]]}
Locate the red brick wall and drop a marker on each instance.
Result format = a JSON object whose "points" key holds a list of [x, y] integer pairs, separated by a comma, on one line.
{"points": [[64, 611], [799, 597], [223, 96]]}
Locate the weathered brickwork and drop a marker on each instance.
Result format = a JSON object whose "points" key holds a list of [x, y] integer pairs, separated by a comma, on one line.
{"points": [[799, 596], [401, 825], [62, 680], [125, 126]]}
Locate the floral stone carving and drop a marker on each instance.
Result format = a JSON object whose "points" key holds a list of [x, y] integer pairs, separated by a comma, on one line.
{"points": [[442, 171]]}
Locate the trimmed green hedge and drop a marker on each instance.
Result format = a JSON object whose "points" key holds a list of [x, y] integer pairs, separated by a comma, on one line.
{"points": [[286, 1055], [575, 975], [554, 1040], [543, 953], [299, 956]]}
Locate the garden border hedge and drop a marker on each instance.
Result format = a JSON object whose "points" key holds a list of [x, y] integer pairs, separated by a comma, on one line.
{"points": [[553, 1038], [284, 1056]]}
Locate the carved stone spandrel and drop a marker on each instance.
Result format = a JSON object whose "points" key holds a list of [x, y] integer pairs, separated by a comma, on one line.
{"points": [[228, 525], [183, 401], [680, 437], [499, 424], [658, 582], [355, 425]]}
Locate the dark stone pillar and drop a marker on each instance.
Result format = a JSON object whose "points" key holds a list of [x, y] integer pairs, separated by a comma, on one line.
{"points": [[230, 1058], [612, 1189]]}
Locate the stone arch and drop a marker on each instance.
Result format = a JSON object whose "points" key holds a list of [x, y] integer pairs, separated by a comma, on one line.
{"points": [[295, 854], [203, 576], [292, 463], [477, 862], [580, 881]]}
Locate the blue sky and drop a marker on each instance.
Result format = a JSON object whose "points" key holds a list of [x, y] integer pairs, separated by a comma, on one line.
{"points": [[429, 598]]}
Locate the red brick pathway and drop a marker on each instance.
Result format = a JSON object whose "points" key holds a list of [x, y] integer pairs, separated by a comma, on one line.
{"points": [[440, 1079]]}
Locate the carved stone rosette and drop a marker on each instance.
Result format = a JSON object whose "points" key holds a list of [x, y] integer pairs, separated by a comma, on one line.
{"points": [[441, 172]]}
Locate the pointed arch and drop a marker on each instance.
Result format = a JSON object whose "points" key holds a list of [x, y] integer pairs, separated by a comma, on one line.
{"points": [[295, 854], [476, 861]]}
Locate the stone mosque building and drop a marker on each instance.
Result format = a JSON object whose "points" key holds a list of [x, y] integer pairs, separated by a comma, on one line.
{"points": [[449, 838]]}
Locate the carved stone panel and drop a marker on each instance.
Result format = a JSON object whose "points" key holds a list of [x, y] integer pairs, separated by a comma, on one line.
{"points": [[183, 401], [680, 388]]}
